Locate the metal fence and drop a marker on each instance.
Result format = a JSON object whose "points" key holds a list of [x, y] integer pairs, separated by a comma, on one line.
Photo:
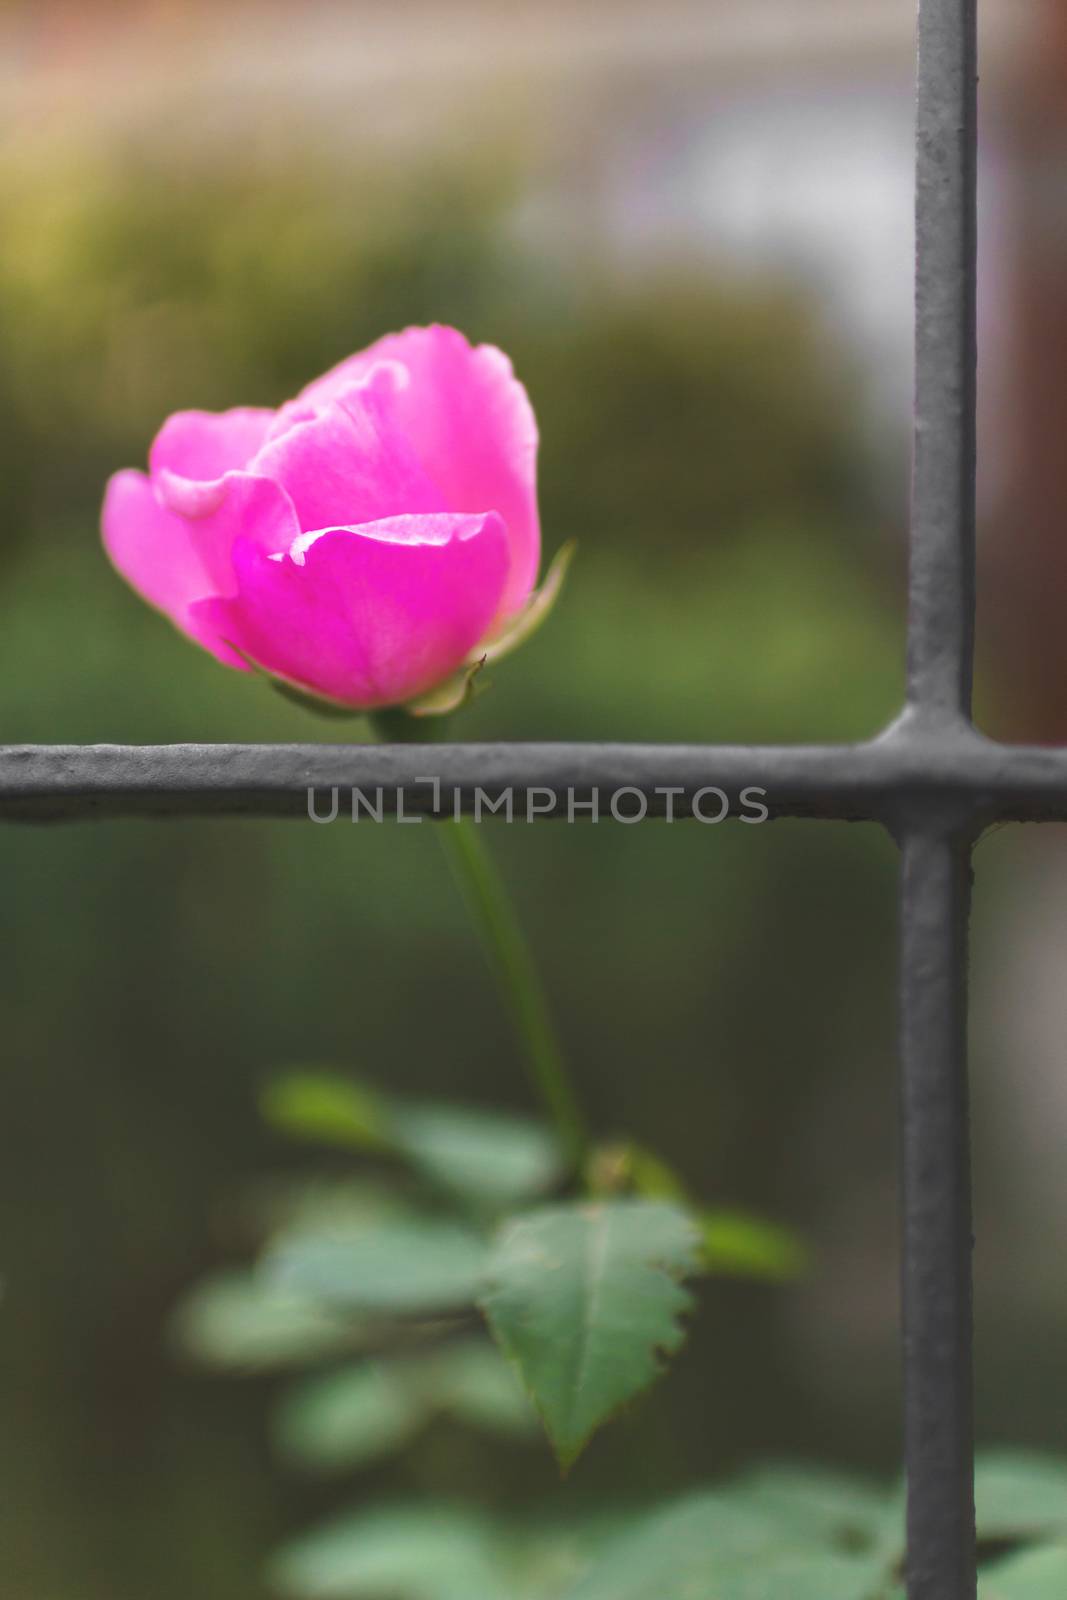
{"points": [[931, 779]]}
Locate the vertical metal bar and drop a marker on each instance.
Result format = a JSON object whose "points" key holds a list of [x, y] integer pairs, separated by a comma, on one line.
{"points": [[938, 1378], [936, 1272], [941, 582]]}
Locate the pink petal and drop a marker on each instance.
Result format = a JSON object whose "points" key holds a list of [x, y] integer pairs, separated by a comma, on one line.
{"points": [[199, 446], [151, 548], [470, 421], [174, 561], [367, 616], [248, 507], [348, 463]]}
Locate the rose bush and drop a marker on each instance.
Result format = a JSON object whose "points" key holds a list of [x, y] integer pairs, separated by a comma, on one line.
{"points": [[366, 542]]}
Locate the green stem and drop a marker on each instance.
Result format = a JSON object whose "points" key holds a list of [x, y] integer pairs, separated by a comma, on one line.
{"points": [[512, 962], [506, 950]]}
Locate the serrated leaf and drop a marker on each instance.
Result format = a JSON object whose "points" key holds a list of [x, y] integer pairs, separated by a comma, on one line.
{"points": [[237, 1321], [485, 1156], [1039, 1574], [405, 1553], [350, 1417], [401, 1268], [328, 1109], [710, 1546], [586, 1300], [737, 1244]]}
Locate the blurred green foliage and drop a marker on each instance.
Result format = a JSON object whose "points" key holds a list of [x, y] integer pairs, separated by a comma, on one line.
{"points": [[445, 1218], [778, 1530], [699, 440]]}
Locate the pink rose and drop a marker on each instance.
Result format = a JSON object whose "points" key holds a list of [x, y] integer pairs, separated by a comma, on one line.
{"points": [[369, 540]]}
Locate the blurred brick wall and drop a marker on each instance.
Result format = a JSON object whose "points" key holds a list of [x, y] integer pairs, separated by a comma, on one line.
{"points": [[1023, 594]]}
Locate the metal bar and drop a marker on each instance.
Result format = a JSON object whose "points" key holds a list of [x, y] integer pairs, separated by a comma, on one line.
{"points": [[938, 1334], [937, 1239], [956, 775], [941, 577]]}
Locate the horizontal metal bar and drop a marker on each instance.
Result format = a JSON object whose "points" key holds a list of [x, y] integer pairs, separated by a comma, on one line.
{"points": [[952, 778]]}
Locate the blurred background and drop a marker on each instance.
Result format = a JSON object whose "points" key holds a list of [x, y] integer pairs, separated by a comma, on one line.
{"points": [[690, 225]]}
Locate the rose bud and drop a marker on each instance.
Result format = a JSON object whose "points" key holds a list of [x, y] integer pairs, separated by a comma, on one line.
{"points": [[369, 544]]}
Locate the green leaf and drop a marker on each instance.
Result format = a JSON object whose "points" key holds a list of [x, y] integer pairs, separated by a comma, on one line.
{"points": [[448, 696], [537, 608], [236, 1320], [739, 1245], [349, 1417], [316, 704], [471, 1380], [1036, 1575], [360, 1412], [327, 1109], [736, 1243], [586, 1300], [403, 1268], [711, 1546], [295, 693], [653, 1177], [547, 1554], [485, 1156], [488, 1157], [299, 1205], [812, 1502], [1020, 1495], [404, 1553]]}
